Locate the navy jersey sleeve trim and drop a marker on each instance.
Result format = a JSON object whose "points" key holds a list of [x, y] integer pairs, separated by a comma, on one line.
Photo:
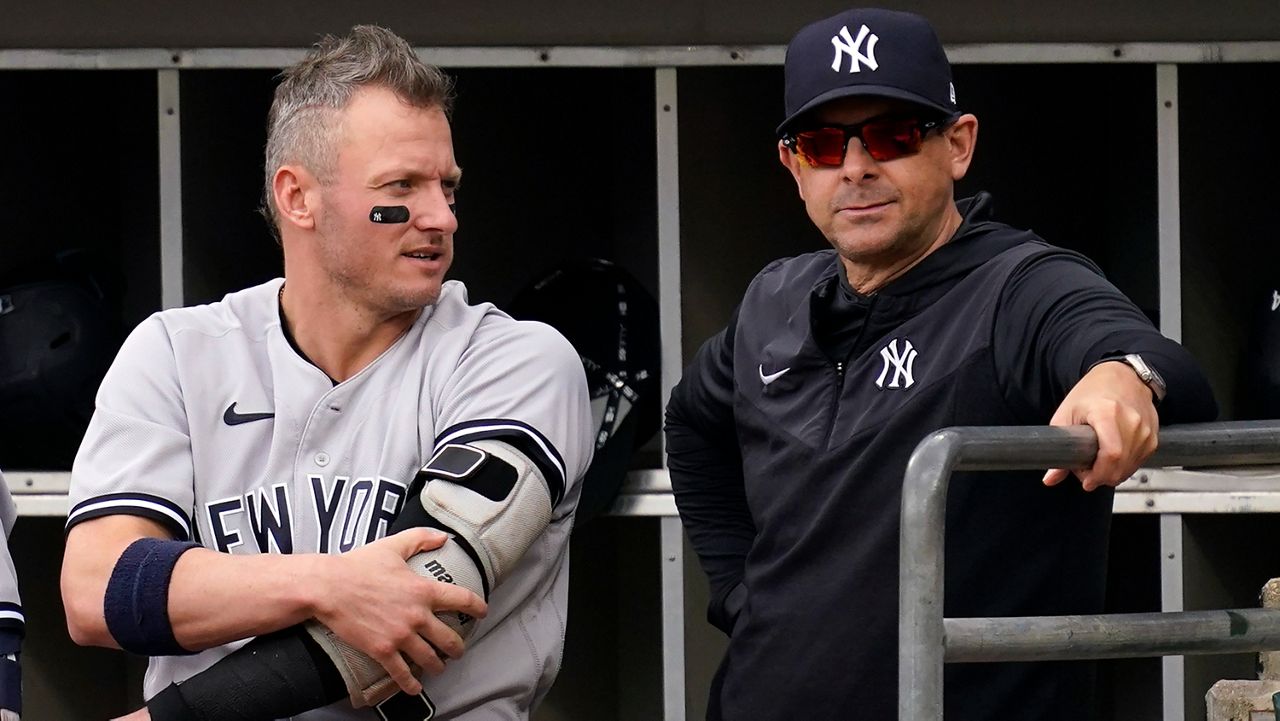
{"points": [[12, 619], [161, 510], [524, 437]]}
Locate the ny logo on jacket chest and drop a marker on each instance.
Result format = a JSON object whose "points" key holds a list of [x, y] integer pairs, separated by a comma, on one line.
{"points": [[901, 361]]}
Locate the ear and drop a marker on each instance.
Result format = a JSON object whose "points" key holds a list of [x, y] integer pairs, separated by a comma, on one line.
{"points": [[791, 162], [291, 186], [962, 138]]}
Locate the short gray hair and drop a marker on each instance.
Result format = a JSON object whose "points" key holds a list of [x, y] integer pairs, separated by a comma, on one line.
{"points": [[303, 124]]}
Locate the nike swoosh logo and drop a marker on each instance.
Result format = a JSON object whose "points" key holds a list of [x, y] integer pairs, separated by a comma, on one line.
{"points": [[767, 379], [231, 418]]}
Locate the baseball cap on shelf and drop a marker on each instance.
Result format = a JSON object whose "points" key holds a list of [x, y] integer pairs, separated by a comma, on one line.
{"points": [[867, 51], [612, 321]]}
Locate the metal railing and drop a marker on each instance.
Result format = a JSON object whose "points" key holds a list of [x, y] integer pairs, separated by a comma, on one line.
{"points": [[927, 640]]}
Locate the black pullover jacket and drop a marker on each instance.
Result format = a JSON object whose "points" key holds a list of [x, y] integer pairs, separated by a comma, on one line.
{"points": [[788, 437]]}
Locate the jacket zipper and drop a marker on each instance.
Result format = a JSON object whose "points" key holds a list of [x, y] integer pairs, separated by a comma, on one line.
{"points": [[839, 369], [835, 403]]}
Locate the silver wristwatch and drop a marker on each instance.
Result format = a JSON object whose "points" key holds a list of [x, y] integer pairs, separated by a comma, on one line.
{"points": [[1147, 375]]}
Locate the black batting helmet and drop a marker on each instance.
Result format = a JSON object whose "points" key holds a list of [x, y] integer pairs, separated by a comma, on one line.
{"points": [[56, 342], [612, 321]]}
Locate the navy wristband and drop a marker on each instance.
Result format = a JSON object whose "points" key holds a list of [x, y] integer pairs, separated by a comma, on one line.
{"points": [[11, 683], [136, 605]]}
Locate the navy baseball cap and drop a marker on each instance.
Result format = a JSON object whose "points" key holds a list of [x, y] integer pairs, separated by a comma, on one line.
{"points": [[867, 51]]}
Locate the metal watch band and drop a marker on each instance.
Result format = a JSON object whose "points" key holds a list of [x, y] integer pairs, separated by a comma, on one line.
{"points": [[1147, 375]]}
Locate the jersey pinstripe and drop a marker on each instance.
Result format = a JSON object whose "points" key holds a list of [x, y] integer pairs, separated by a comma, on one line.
{"points": [[210, 423]]}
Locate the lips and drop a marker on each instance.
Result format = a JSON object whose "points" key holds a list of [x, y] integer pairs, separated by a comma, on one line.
{"points": [[424, 254], [860, 200], [862, 210], [866, 206]]}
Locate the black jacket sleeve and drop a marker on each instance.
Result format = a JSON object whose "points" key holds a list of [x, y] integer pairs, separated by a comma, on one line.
{"points": [[1058, 317], [706, 473]]}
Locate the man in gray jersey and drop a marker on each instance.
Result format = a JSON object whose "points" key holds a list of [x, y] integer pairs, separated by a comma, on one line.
{"points": [[247, 459], [12, 621]]}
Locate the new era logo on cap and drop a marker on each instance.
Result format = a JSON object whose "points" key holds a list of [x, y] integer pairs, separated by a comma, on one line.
{"points": [[867, 51]]}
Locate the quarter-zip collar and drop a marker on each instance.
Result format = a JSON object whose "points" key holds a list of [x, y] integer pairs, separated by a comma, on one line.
{"points": [[845, 322]]}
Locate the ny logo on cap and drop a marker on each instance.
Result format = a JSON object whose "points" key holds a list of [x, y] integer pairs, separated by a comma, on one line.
{"points": [[845, 44]]}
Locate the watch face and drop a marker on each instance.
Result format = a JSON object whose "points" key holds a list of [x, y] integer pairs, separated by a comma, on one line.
{"points": [[1147, 375]]}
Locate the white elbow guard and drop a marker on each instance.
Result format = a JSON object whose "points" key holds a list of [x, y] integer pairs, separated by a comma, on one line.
{"points": [[494, 501]]}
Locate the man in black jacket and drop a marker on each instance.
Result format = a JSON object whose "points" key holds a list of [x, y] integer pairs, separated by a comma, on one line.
{"points": [[789, 433]]}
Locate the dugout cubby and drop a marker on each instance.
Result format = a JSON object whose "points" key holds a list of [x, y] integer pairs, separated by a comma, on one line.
{"points": [[739, 208], [558, 165], [1230, 242], [226, 243], [612, 666], [78, 202], [1081, 179], [78, 172]]}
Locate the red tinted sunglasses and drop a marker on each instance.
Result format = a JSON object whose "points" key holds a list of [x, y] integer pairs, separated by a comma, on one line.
{"points": [[885, 138]]}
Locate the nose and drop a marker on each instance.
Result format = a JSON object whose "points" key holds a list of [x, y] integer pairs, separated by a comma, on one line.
{"points": [[858, 163], [434, 213]]}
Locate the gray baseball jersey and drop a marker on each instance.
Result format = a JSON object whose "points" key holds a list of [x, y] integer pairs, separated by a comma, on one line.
{"points": [[211, 423], [11, 618]]}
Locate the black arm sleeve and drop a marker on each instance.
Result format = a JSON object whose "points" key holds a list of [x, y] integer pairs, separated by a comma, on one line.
{"points": [[706, 473], [1058, 317], [277, 675]]}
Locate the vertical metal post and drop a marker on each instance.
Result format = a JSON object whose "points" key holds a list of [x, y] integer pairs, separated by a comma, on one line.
{"points": [[920, 578], [1170, 270], [170, 132], [668, 156], [1168, 206], [673, 700], [1173, 690], [668, 137]]}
